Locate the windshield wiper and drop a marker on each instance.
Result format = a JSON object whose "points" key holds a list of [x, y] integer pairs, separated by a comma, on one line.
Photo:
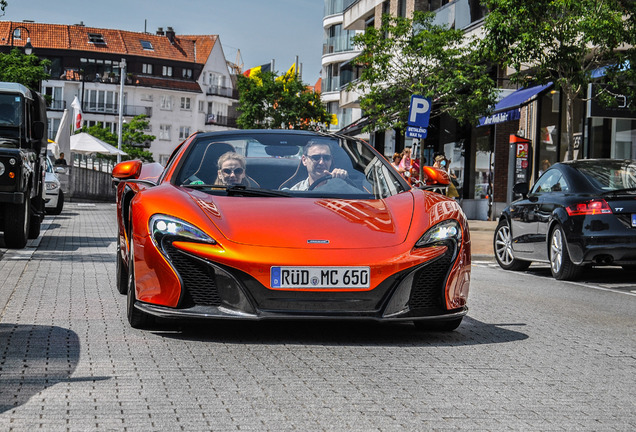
{"points": [[618, 191], [239, 190]]}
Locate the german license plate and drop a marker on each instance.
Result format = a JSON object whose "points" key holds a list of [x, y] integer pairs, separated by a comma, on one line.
{"points": [[634, 219], [320, 277]]}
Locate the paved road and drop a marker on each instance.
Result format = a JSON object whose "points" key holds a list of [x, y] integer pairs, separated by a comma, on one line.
{"points": [[533, 354]]}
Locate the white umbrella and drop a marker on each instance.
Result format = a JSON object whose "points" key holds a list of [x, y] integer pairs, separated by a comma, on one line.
{"points": [[86, 144]]}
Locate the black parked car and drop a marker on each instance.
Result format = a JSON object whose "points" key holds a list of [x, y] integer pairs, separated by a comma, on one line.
{"points": [[578, 213]]}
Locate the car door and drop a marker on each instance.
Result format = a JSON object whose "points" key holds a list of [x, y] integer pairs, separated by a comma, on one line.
{"points": [[551, 197]]}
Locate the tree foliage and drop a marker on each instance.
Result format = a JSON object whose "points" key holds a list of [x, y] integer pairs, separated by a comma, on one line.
{"points": [[28, 70], [268, 101], [133, 138], [415, 56], [561, 41]]}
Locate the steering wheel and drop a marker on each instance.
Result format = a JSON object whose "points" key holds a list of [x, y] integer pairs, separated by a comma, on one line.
{"points": [[329, 177], [319, 180]]}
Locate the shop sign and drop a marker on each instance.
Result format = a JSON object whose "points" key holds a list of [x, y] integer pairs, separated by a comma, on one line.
{"points": [[620, 110]]}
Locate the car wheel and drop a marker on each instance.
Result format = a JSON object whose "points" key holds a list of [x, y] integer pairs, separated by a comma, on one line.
{"points": [[136, 318], [122, 274], [442, 325], [17, 224], [561, 265], [35, 221], [60, 204], [502, 245]]}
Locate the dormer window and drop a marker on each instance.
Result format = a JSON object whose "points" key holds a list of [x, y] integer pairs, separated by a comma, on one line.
{"points": [[147, 45], [96, 38]]}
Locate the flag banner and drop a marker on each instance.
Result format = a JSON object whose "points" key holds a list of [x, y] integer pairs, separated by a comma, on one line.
{"points": [[290, 72], [78, 117], [251, 73]]}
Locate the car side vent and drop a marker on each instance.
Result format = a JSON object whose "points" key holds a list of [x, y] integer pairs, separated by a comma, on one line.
{"points": [[428, 285], [198, 278]]}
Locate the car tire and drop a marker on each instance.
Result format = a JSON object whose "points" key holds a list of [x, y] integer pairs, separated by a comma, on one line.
{"points": [[136, 318], [441, 325], [561, 265], [122, 273], [17, 224], [502, 245], [35, 221], [60, 205]]}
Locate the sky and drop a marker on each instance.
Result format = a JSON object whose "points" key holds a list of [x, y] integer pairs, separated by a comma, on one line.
{"points": [[258, 30]]}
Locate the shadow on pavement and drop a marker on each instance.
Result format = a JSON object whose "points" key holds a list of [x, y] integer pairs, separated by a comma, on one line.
{"points": [[34, 358], [470, 332]]}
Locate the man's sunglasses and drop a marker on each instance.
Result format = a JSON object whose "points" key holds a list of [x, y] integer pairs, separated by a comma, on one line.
{"points": [[316, 158], [236, 171]]}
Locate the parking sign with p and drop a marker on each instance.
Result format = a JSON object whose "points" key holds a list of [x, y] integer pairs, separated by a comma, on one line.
{"points": [[419, 115]]}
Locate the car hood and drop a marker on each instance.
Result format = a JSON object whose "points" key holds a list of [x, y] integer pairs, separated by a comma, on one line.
{"points": [[309, 222]]}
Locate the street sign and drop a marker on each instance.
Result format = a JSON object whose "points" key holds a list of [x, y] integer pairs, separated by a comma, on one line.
{"points": [[419, 111], [419, 115]]}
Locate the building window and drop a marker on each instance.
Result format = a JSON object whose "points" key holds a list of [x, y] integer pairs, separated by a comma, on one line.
{"points": [[185, 103], [96, 38], [166, 102], [101, 101], [167, 71], [201, 106], [164, 132], [187, 73], [184, 132], [146, 68], [147, 45]]}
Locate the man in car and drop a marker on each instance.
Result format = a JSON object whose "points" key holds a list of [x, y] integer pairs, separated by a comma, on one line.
{"points": [[231, 170], [317, 159]]}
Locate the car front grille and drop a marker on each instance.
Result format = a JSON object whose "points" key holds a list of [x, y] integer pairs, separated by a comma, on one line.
{"points": [[429, 284], [198, 278]]}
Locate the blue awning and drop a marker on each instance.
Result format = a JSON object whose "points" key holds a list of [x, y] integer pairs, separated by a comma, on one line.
{"points": [[507, 109]]}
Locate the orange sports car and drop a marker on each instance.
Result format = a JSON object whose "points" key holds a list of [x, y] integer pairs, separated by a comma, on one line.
{"points": [[273, 224]]}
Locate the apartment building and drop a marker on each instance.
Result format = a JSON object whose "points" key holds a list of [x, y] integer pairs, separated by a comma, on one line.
{"points": [[181, 82]]}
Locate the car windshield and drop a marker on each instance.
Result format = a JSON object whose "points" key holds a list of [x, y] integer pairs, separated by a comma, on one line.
{"points": [[286, 164], [610, 175]]}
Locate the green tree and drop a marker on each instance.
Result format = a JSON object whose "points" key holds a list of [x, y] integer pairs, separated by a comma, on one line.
{"points": [[406, 57], [133, 138], [561, 41], [3, 6], [268, 101], [28, 70]]}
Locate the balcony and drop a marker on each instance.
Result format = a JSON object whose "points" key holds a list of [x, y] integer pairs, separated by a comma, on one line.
{"points": [[356, 15], [228, 92], [220, 120], [56, 105], [113, 109]]}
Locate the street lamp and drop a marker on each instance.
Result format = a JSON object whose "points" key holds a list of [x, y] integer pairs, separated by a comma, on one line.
{"points": [[28, 48]]}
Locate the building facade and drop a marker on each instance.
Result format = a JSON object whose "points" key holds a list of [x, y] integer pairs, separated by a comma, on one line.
{"points": [[181, 82]]}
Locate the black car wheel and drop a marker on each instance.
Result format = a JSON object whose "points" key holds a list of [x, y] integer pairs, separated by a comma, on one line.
{"points": [[502, 244], [60, 205], [136, 318], [561, 265], [17, 223]]}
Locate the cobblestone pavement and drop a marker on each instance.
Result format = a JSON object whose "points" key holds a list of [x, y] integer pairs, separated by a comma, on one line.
{"points": [[520, 361]]}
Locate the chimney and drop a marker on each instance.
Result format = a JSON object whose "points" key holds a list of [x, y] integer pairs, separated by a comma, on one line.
{"points": [[170, 34], [160, 31]]}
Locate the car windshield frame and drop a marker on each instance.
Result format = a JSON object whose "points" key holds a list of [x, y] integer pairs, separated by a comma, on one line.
{"points": [[273, 163]]}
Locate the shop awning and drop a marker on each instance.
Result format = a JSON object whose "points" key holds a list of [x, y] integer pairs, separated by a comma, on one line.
{"points": [[507, 109]]}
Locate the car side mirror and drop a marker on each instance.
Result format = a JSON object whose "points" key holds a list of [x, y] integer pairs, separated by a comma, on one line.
{"points": [[127, 170]]}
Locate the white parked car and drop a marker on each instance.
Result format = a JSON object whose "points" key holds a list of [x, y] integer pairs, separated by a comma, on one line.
{"points": [[54, 196]]}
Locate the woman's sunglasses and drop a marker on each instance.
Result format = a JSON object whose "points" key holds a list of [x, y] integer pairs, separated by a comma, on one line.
{"points": [[236, 171]]}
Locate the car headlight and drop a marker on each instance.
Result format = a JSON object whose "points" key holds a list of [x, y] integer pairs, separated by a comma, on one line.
{"points": [[163, 225], [443, 232], [51, 186]]}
